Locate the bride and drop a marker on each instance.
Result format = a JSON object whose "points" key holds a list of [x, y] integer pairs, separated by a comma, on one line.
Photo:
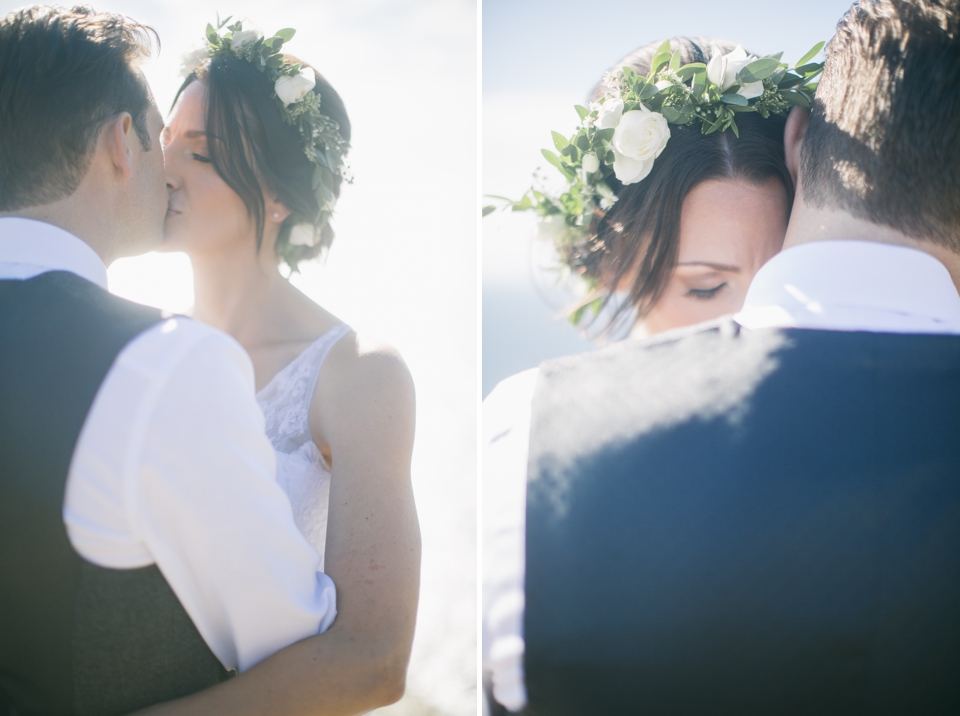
{"points": [[254, 153], [673, 208]]}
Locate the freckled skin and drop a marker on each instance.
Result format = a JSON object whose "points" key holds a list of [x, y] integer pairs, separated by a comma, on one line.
{"points": [[728, 230]]}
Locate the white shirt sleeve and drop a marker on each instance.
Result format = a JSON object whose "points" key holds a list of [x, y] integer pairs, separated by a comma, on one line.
{"points": [[506, 439], [173, 468]]}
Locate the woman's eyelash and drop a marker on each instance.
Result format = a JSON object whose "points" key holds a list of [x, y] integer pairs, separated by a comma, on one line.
{"points": [[705, 294], [201, 158]]}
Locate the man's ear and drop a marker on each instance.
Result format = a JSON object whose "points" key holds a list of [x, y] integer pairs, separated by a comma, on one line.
{"points": [[793, 134], [118, 135]]}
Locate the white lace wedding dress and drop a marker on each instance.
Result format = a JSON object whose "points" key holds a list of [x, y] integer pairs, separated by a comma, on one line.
{"points": [[301, 470]]}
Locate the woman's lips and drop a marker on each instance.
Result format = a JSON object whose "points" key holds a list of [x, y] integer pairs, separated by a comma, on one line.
{"points": [[172, 212]]}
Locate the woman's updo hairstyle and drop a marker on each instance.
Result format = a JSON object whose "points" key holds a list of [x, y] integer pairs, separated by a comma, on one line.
{"points": [[639, 235], [249, 143]]}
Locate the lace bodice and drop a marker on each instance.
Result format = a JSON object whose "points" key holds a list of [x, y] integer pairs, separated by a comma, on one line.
{"points": [[301, 470]]}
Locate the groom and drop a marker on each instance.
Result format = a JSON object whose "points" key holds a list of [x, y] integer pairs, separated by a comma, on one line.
{"points": [[762, 515], [146, 550]]}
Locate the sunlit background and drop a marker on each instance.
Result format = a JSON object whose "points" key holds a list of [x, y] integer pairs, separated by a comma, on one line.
{"points": [[541, 57], [402, 268]]}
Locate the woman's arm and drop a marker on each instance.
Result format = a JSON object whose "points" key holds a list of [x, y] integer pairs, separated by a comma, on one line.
{"points": [[363, 409]]}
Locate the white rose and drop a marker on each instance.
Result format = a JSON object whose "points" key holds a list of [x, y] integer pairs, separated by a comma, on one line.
{"points": [[637, 141], [245, 37], [610, 113], [722, 71], [751, 90], [641, 134], [590, 163], [293, 89], [630, 171]]}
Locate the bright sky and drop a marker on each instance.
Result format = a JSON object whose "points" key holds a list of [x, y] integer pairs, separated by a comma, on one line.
{"points": [[540, 57], [403, 265]]}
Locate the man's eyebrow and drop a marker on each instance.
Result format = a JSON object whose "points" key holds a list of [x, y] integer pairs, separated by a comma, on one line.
{"points": [[710, 264]]}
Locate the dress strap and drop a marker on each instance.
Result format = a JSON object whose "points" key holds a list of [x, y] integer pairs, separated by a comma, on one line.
{"points": [[323, 346]]}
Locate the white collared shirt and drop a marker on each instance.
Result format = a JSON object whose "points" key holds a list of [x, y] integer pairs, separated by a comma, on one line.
{"points": [[172, 467], [828, 285]]}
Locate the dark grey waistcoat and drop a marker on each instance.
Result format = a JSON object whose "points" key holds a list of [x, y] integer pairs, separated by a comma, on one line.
{"points": [[746, 522], [74, 638]]}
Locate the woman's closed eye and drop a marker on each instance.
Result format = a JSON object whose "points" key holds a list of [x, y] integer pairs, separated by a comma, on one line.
{"points": [[705, 294], [201, 158]]}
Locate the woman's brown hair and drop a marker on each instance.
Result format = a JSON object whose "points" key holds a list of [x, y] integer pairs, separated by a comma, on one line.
{"points": [[251, 145]]}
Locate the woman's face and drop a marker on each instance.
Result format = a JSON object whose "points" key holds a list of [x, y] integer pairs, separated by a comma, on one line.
{"points": [[728, 230], [204, 215]]}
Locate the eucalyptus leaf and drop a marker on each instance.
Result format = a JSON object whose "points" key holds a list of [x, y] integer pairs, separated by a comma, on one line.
{"points": [[675, 61], [796, 98], [688, 71], [809, 69], [286, 33], [559, 141], [757, 70], [275, 62], [660, 58], [671, 115], [555, 161], [581, 111], [605, 135], [733, 98], [648, 91], [790, 80], [699, 84], [212, 35], [777, 76], [810, 55], [487, 210]]}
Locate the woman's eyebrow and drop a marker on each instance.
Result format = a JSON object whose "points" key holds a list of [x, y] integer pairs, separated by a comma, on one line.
{"points": [[194, 133], [710, 264]]}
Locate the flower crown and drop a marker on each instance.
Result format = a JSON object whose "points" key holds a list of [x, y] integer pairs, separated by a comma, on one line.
{"points": [[622, 134], [299, 106]]}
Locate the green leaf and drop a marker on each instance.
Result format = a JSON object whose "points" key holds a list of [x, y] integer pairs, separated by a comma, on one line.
{"points": [[675, 61], [790, 80], [523, 204], [555, 161], [734, 98], [699, 84], [275, 62], [777, 76], [810, 55], [660, 58], [688, 71], [773, 57], [559, 141], [286, 33], [810, 69], [648, 91], [212, 35], [733, 126], [581, 111], [489, 210], [671, 115], [757, 70], [605, 135], [583, 142], [796, 98]]}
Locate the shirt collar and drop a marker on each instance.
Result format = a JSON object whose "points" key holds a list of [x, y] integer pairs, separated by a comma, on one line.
{"points": [[853, 286], [49, 248]]}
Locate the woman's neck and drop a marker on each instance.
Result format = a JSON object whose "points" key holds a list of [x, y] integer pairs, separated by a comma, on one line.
{"points": [[234, 291]]}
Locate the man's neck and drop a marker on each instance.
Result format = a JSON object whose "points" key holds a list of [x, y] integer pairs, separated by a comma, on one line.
{"points": [[809, 225], [74, 216]]}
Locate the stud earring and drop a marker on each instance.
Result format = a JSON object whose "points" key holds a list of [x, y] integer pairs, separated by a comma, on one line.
{"points": [[276, 215]]}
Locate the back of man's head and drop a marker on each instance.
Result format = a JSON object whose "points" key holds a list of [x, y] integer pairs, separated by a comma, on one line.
{"points": [[63, 75], [883, 142]]}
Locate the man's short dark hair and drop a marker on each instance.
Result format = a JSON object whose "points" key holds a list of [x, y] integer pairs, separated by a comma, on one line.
{"points": [[884, 136], [63, 75]]}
